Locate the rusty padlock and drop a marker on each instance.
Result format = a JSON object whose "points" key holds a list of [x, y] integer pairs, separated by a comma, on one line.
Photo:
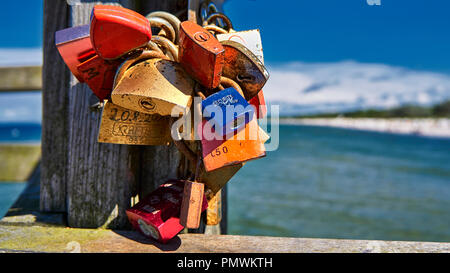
{"points": [[201, 54], [242, 66], [116, 31], [124, 126], [157, 216], [73, 45], [154, 86], [251, 39]]}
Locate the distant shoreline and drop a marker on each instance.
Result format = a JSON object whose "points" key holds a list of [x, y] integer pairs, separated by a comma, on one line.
{"points": [[434, 127]]}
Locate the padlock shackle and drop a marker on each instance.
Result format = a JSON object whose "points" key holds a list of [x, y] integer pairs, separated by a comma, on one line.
{"points": [[219, 15], [230, 83], [153, 46], [164, 25], [145, 55], [167, 45], [215, 29], [172, 19]]}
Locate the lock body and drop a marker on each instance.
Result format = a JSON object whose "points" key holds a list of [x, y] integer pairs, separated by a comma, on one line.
{"points": [[242, 66], [124, 126], [251, 39], [154, 86], [201, 54], [74, 43], [99, 74], [227, 110], [116, 31], [192, 204], [245, 145]]}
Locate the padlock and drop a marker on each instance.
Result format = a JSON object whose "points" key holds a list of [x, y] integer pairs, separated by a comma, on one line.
{"points": [[124, 126], [251, 39], [227, 110], [99, 74], [201, 55], [259, 104], [242, 66], [157, 216], [247, 144], [191, 206], [116, 31], [73, 44], [154, 86]]}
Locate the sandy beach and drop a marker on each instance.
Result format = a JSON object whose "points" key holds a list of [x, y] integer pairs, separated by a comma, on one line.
{"points": [[436, 127]]}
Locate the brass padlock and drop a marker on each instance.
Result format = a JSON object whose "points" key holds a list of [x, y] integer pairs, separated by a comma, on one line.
{"points": [[154, 86], [242, 66], [191, 205], [125, 126]]}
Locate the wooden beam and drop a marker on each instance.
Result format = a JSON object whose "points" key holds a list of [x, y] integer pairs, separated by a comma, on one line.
{"points": [[25, 78], [55, 104], [101, 178]]}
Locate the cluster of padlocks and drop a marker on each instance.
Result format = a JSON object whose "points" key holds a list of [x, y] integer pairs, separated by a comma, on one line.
{"points": [[187, 71]]}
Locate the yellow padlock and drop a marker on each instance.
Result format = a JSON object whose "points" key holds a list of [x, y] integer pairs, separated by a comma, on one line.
{"points": [[155, 86], [125, 126]]}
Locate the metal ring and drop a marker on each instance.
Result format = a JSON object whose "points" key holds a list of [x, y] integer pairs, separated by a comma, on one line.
{"points": [[167, 45], [172, 19], [215, 29], [229, 82], [145, 55], [153, 46], [219, 15], [163, 24]]}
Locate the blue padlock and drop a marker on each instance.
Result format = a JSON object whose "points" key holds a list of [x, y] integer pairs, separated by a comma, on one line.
{"points": [[228, 111]]}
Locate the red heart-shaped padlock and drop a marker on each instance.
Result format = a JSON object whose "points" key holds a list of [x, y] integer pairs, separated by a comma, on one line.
{"points": [[115, 31]]}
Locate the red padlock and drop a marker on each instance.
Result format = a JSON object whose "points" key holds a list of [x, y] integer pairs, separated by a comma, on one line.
{"points": [[259, 103], [73, 45], [116, 31], [157, 216], [99, 75], [201, 54]]}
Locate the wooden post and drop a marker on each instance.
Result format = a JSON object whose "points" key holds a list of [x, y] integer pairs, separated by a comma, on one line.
{"points": [[92, 182]]}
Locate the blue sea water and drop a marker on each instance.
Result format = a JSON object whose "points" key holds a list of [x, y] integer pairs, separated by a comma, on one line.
{"points": [[328, 183]]}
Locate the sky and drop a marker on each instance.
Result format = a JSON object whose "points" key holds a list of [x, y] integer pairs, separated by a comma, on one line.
{"points": [[323, 55]]}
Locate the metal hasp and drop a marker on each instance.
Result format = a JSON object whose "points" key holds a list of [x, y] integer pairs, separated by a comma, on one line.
{"points": [[116, 31], [201, 54], [72, 43], [242, 66], [155, 86]]}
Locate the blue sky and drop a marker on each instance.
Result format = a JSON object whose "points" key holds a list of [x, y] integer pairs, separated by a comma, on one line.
{"points": [[322, 54]]}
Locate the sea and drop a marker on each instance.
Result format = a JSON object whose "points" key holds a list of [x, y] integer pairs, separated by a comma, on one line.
{"points": [[327, 182]]}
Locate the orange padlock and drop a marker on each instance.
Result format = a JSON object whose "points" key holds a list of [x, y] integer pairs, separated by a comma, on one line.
{"points": [[201, 54], [245, 145], [116, 31]]}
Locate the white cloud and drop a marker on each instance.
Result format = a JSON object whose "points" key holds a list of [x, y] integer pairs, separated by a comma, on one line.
{"points": [[320, 87], [20, 56]]}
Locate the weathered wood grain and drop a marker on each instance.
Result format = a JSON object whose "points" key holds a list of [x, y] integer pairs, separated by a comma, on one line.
{"points": [[55, 101], [101, 177]]}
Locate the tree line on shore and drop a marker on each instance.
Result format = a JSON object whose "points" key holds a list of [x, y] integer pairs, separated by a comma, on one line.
{"points": [[441, 110]]}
